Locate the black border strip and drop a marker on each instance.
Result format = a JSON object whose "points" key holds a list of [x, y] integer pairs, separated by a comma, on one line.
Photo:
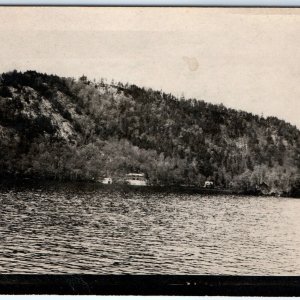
{"points": [[150, 285]]}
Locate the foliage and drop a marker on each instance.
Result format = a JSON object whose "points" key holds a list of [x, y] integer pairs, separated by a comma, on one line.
{"points": [[82, 130]]}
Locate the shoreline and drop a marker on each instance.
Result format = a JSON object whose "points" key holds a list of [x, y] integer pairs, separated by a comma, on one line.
{"points": [[50, 184]]}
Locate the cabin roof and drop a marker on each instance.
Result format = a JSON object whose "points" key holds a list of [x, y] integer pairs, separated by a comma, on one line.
{"points": [[135, 174]]}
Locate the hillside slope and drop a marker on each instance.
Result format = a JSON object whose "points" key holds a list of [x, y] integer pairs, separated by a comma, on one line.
{"points": [[76, 129]]}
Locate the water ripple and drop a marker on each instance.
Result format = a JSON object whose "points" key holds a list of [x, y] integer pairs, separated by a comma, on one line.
{"points": [[94, 231]]}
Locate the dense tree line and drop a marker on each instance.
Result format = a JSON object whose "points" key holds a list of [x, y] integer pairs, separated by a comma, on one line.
{"points": [[83, 130]]}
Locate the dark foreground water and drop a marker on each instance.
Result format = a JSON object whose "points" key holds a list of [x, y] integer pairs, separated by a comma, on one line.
{"points": [[93, 231]]}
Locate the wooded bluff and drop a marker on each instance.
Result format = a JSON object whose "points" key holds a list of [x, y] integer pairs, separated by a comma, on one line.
{"points": [[68, 129]]}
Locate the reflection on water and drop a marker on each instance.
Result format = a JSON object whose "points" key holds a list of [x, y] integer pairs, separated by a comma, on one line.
{"points": [[68, 230]]}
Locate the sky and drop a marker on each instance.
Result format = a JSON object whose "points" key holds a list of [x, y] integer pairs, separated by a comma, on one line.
{"points": [[247, 59]]}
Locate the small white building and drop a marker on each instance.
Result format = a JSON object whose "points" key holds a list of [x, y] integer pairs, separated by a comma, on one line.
{"points": [[208, 184], [136, 179], [107, 180]]}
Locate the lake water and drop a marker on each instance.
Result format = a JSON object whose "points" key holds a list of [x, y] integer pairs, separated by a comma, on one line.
{"points": [[80, 229]]}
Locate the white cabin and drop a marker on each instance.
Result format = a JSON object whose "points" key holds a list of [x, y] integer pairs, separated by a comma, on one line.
{"points": [[107, 180], [136, 179], [208, 184]]}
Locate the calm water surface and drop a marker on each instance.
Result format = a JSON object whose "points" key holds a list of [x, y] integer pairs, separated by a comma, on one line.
{"points": [[87, 230]]}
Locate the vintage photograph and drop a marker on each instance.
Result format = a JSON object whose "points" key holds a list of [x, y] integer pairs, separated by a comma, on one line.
{"points": [[150, 141]]}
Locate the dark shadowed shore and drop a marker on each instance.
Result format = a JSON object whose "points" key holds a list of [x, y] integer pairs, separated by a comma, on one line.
{"points": [[83, 185]]}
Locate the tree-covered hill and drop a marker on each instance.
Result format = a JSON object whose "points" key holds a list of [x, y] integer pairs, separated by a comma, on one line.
{"points": [[64, 128]]}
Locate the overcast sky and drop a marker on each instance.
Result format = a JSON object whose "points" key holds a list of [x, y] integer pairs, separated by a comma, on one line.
{"points": [[247, 59]]}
